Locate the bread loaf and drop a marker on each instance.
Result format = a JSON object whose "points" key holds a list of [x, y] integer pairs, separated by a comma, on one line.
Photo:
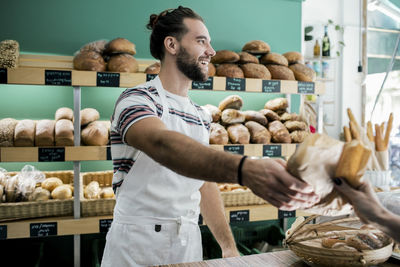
{"points": [[274, 58], [88, 115], [251, 115], [96, 46], [213, 111], [44, 135], [270, 115], [218, 134], [294, 57], [64, 133], [279, 132], [24, 134], [289, 117], [153, 68], [64, 113], [238, 134], [7, 128], [92, 190], [247, 58], [51, 183], [256, 47], [303, 73], [62, 192], [232, 101], [298, 136], [225, 56], [40, 194], [232, 116], [123, 63], [211, 70], [258, 133], [120, 45], [89, 60], [229, 70], [279, 72], [295, 126], [256, 71], [276, 104], [95, 134], [107, 192]]}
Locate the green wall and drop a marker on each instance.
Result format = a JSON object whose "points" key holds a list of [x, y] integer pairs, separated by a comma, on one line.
{"points": [[62, 27]]}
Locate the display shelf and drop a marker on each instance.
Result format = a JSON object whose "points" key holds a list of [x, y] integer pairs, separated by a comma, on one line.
{"points": [[87, 153]]}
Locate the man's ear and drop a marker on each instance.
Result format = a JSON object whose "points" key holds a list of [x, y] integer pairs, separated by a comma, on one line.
{"points": [[171, 45]]}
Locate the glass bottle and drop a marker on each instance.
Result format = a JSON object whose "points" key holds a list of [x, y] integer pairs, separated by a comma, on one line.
{"points": [[317, 49], [326, 44]]}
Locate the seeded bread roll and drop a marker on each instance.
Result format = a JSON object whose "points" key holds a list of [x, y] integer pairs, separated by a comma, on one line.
{"points": [[88, 115], [257, 71], [258, 133], [295, 126], [232, 101], [211, 70], [123, 63], [229, 70], [153, 68], [95, 134], [218, 134], [64, 113], [44, 135], [24, 134], [281, 72], [7, 128], [256, 47], [294, 57], [298, 136], [274, 58], [276, 104], [247, 58], [120, 45], [64, 133], [279, 132], [251, 115], [89, 60], [303, 73], [270, 115], [232, 116], [225, 56], [62, 192], [238, 134], [9, 54], [214, 112]]}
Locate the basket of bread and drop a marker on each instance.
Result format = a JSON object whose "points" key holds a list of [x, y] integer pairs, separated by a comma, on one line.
{"points": [[237, 195], [340, 242]]}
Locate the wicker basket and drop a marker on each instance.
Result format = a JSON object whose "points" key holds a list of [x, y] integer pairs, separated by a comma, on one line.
{"points": [[35, 209], [241, 198], [97, 207], [298, 240]]}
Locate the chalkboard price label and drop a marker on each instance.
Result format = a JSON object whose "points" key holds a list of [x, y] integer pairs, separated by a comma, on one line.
{"points": [[57, 77], [3, 231], [272, 151], [305, 88], [104, 225], [271, 86], [286, 214], [207, 85], [108, 79], [109, 153], [150, 77], [235, 84], [239, 149], [51, 154], [3, 75], [200, 219], [239, 216], [43, 229]]}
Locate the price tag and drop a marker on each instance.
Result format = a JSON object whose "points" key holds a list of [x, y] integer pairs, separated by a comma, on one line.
{"points": [[3, 231], [272, 151], [271, 86], [286, 214], [109, 153], [3, 75], [43, 229], [150, 77], [51, 154], [200, 219], [238, 149], [239, 216], [57, 77], [104, 225], [207, 85], [235, 84], [107, 79], [305, 88]]}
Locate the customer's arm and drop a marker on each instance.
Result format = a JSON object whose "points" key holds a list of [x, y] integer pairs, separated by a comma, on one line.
{"points": [[369, 209], [213, 213]]}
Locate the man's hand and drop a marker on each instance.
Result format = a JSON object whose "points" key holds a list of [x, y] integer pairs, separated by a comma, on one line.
{"points": [[229, 253], [269, 179]]}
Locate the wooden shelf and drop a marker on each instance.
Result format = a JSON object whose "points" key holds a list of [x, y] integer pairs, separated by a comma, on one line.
{"points": [[87, 153]]}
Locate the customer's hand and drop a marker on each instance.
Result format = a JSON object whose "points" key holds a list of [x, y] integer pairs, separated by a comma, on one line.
{"points": [[269, 179], [229, 253]]}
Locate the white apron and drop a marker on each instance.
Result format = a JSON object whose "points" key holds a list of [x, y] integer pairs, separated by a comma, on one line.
{"points": [[168, 232]]}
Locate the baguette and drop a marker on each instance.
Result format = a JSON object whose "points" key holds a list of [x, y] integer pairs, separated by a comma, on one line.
{"points": [[347, 134], [354, 132], [388, 130], [379, 145], [370, 132]]}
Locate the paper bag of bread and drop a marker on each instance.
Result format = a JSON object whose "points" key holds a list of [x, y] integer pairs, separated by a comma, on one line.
{"points": [[319, 159]]}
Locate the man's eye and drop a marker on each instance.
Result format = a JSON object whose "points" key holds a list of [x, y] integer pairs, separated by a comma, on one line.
{"points": [[201, 41]]}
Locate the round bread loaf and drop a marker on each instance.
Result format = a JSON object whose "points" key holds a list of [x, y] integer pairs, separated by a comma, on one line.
{"points": [[123, 63], [258, 71], [120, 45], [96, 46], [51, 183], [95, 134], [256, 47], [214, 112], [232, 116], [279, 132], [303, 73], [229, 70], [88, 115], [89, 60], [251, 115], [218, 134], [64, 113], [274, 58], [294, 57], [281, 72], [225, 56], [232, 101], [247, 58], [275, 104], [211, 70], [153, 68], [62, 192], [7, 128], [270, 115]]}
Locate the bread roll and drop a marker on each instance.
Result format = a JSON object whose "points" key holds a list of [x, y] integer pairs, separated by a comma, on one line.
{"points": [[211, 70], [218, 134], [251, 115], [329, 242], [40, 194], [232, 116], [247, 58], [232, 101], [92, 190], [153, 68], [95, 134], [44, 135], [123, 63], [51, 183], [276, 104], [64, 113], [225, 56], [11, 188], [24, 134], [229, 70], [298, 136], [293, 57], [213, 111], [107, 192], [295, 126], [274, 58], [238, 134], [258, 133], [120, 45], [256, 47], [257, 71], [352, 162], [270, 115], [62, 192], [64, 133], [96, 46], [279, 72], [303, 73], [7, 128], [289, 117], [89, 60], [88, 115], [279, 132]]}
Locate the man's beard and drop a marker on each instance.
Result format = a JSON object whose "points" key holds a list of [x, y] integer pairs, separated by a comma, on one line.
{"points": [[189, 66]]}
